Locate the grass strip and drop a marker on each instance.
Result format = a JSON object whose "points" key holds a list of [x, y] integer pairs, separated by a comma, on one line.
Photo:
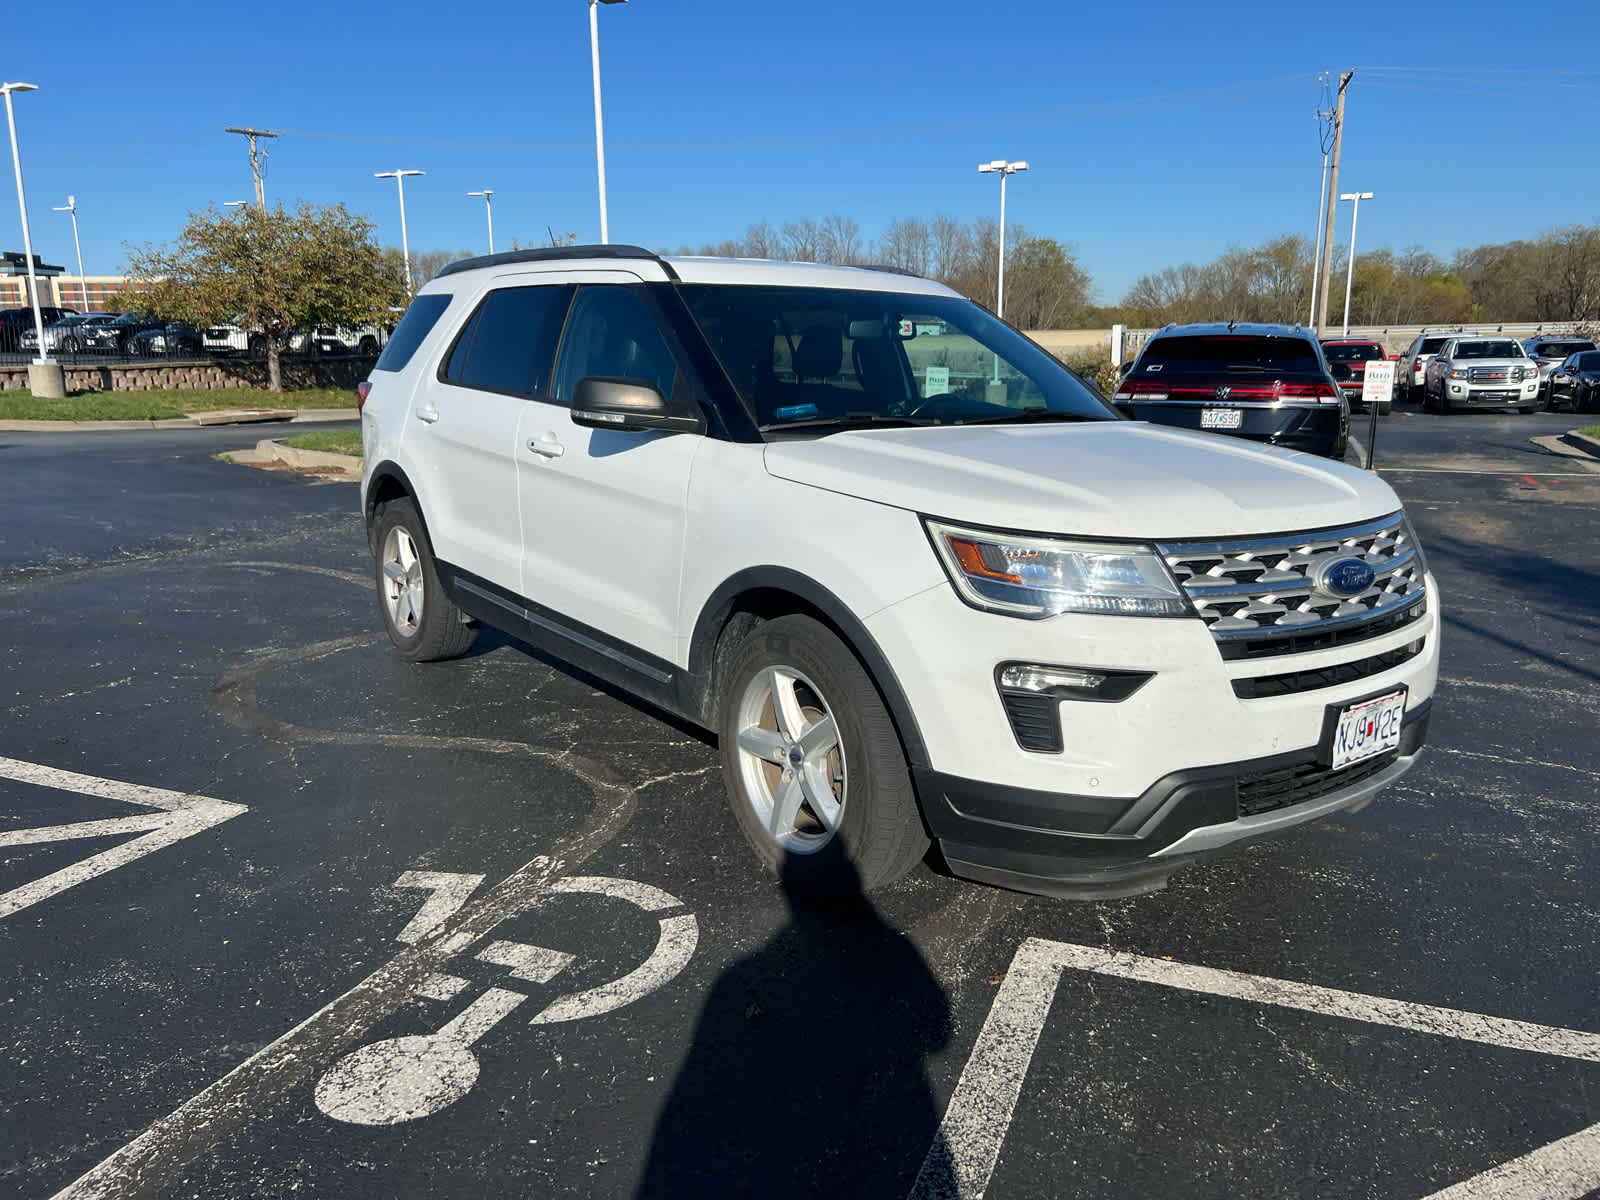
{"points": [[330, 441], [162, 403]]}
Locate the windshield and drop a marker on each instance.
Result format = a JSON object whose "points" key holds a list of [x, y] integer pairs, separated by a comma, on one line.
{"points": [[1367, 352], [807, 357], [1488, 350]]}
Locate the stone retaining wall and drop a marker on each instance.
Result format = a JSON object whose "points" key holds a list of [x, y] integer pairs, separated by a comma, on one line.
{"points": [[342, 370]]}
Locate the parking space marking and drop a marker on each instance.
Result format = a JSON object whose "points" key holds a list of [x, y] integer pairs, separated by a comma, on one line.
{"points": [[962, 1158], [403, 1078], [178, 815]]}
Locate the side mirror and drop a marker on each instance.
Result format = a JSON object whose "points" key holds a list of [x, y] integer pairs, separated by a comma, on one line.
{"points": [[600, 402]]}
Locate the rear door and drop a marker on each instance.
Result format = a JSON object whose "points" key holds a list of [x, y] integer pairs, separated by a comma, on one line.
{"points": [[464, 419]]}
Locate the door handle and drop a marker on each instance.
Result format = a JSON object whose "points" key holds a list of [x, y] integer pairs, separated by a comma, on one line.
{"points": [[427, 414], [547, 446]]}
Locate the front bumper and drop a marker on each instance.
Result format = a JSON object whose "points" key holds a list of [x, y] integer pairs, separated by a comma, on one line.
{"points": [[1461, 394], [1095, 847]]}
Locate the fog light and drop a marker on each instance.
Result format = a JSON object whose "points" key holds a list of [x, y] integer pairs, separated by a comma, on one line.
{"points": [[1070, 683]]}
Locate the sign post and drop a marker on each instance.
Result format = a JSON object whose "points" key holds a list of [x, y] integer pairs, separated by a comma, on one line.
{"points": [[1377, 392]]}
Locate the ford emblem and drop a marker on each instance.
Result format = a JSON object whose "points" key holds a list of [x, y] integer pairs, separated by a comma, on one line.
{"points": [[1345, 578]]}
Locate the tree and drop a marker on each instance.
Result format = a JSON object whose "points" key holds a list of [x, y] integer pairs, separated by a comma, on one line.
{"points": [[429, 263], [273, 271]]}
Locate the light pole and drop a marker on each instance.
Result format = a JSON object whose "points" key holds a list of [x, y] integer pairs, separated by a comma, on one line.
{"points": [[71, 207], [399, 178], [488, 211], [599, 125], [6, 89], [236, 204], [1002, 168], [1350, 271]]}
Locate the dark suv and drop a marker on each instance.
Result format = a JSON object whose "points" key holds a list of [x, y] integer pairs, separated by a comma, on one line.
{"points": [[1268, 383]]}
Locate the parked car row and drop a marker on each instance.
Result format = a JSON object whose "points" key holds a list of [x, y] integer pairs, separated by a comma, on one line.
{"points": [[67, 332]]}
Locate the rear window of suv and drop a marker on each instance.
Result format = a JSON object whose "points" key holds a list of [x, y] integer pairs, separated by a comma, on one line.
{"points": [[418, 322], [1211, 355]]}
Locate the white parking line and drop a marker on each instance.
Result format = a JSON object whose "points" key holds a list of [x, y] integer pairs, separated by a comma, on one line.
{"points": [[179, 815], [962, 1159]]}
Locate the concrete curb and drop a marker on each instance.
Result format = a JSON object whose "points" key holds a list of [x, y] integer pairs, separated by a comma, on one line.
{"points": [[230, 416], [268, 450], [1578, 441]]}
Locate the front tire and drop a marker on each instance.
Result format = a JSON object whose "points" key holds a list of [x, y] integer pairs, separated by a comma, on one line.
{"points": [[813, 766], [422, 621]]}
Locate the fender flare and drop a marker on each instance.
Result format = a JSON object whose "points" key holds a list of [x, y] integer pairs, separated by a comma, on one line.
{"points": [[714, 615]]}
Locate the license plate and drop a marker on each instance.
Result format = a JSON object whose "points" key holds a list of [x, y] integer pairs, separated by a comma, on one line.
{"points": [[1367, 729], [1220, 418]]}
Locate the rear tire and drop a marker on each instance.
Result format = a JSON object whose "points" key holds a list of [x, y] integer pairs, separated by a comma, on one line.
{"points": [[422, 621], [813, 766]]}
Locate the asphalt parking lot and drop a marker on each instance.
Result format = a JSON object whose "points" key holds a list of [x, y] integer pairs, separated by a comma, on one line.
{"points": [[280, 913]]}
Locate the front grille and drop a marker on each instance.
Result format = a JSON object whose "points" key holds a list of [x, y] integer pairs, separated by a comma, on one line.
{"points": [[1257, 595], [1488, 374], [1267, 791], [1309, 681]]}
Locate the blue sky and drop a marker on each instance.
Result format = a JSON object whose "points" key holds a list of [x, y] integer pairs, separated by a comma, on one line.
{"points": [[1155, 133]]}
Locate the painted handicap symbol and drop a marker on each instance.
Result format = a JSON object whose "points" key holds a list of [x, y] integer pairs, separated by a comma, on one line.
{"points": [[406, 1078]]}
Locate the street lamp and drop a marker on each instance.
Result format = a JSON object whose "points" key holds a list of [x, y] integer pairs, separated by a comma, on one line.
{"points": [[235, 204], [399, 178], [22, 204], [488, 211], [71, 207], [1350, 272], [1002, 168], [599, 125]]}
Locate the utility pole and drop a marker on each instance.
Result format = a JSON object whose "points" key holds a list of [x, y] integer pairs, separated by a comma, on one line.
{"points": [[1324, 118], [256, 156], [1333, 199]]}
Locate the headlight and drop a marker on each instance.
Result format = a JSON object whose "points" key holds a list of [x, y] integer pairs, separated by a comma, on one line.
{"points": [[1458, 372], [1027, 575]]}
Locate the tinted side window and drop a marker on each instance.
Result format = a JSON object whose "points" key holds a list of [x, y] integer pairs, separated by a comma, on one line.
{"points": [[613, 332], [509, 342], [420, 318]]}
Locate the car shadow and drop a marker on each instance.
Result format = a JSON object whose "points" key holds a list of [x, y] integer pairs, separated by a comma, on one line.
{"points": [[807, 1073]]}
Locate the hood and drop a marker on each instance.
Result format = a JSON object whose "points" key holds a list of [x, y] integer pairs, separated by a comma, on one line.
{"points": [[1120, 479]]}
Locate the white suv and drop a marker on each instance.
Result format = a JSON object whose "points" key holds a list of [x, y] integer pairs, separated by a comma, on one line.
{"points": [[1481, 372], [920, 581]]}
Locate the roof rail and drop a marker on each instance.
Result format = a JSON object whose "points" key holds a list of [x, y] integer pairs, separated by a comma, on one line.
{"points": [[558, 254]]}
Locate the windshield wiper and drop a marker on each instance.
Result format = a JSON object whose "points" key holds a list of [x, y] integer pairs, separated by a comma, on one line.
{"points": [[850, 420], [1033, 413]]}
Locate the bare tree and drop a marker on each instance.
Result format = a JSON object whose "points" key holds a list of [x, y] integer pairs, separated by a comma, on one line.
{"points": [[907, 244], [761, 240], [802, 240], [839, 240]]}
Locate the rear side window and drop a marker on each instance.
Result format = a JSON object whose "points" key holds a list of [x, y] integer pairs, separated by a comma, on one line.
{"points": [[1431, 345], [509, 342], [1232, 354], [418, 322]]}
